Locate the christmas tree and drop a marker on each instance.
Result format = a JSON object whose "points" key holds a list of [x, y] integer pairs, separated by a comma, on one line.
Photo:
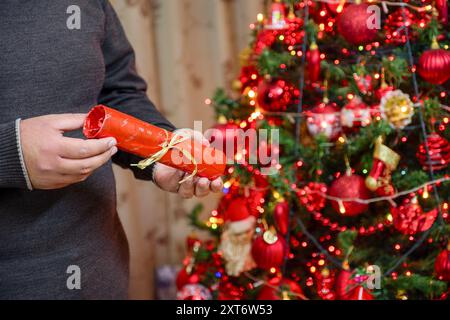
{"points": [[355, 206]]}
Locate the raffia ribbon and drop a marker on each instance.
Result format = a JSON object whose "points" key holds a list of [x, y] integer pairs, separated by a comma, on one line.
{"points": [[166, 146]]}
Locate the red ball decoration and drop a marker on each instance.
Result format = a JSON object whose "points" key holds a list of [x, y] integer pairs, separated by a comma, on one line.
{"points": [[269, 250], [324, 120], [281, 217], [349, 187], [313, 63], [434, 65], [225, 138], [439, 153], [277, 95], [311, 196], [352, 24], [348, 287], [410, 219], [442, 265], [280, 289], [354, 115]]}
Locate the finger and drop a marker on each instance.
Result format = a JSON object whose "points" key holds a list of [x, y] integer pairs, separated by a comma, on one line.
{"points": [[196, 135], [202, 187], [68, 121], [72, 148], [85, 166], [187, 189], [217, 185]]}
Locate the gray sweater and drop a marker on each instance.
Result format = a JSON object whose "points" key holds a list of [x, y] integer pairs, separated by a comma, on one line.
{"points": [[48, 68]]}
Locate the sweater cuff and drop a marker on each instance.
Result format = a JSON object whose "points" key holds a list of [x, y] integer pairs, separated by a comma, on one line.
{"points": [[12, 169]]}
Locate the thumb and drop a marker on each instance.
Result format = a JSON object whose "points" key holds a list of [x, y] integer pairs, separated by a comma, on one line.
{"points": [[68, 121]]}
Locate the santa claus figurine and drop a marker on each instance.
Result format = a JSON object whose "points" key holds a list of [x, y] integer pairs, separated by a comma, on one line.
{"points": [[236, 240]]}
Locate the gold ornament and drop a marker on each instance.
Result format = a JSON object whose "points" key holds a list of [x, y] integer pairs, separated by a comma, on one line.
{"points": [[397, 108]]}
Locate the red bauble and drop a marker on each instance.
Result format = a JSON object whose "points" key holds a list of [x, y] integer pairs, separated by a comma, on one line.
{"points": [[442, 265], [355, 115], [281, 217], [352, 24], [277, 286], [313, 63], [324, 120], [410, 219], [442, 8], [277, 95], [434, 65], [348, 287], [249, 77], [225, 138], [311, 196], [439, 151], [349, 187], [269, 250], [185, 278]]}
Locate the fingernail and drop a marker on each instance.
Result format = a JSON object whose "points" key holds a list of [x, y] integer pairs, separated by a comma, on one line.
{"points": [[112, 143], [114, 151]]}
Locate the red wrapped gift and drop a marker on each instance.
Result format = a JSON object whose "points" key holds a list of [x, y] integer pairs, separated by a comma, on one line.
{"points": [[154, 144]]}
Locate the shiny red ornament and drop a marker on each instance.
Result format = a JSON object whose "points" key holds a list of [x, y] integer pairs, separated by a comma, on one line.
{"points": [[349, 287], [277, 95], [439, 153], [324, 120], [280, 289], [311, 196], [442, 8], [269, 250], [281, 217], [354, 115], [224, 137], [442, 265], [434, 65], [249, 77], [313, 63], [409, 218], [352, 24], [349, 187]]}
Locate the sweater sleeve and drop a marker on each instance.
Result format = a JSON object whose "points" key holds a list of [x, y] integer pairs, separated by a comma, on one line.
{"points": [[124, 89], [12, 170]]}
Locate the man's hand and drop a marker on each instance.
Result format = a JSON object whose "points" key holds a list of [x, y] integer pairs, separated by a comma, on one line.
{"points": [[54, 161], [168, 178]]}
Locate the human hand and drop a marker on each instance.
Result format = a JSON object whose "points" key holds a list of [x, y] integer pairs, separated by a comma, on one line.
{"points": [[54, 161], [168, 179]]}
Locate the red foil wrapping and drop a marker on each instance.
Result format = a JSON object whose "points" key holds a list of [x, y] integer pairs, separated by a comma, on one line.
{"points": [[144, 140]]}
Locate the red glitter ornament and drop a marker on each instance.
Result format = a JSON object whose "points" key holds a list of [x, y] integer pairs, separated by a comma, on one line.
{"points": [[410, 219], [439, 153], [311, 196], [434, 64], [269, 250], [442, 265], [277, 95], [349, 187], [353, 26], [280, 289]]}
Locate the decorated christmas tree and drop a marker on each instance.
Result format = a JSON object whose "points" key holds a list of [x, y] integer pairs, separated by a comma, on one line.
{"points": [[355, 206]]}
